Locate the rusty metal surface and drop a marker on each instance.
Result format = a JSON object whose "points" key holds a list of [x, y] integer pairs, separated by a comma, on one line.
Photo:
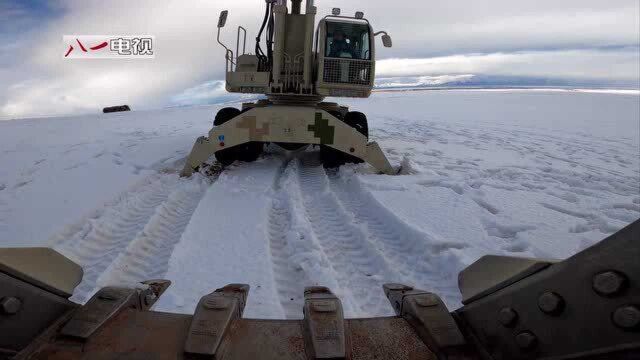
{"points": [[264, 339], [131, 334], [134, 334], [385, 338]]}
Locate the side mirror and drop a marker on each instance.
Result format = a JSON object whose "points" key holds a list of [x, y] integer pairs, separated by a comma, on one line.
{"points": [[386, 41], [223, 18]]}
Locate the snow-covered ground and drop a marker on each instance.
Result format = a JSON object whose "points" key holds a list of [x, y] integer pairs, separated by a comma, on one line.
{"points": [[526, 173]]}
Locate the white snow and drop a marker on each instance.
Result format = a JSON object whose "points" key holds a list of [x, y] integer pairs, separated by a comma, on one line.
{"points": [[527, 173]]}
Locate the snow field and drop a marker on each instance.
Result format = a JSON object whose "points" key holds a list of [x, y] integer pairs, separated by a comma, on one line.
{"points": [[519, 173]]}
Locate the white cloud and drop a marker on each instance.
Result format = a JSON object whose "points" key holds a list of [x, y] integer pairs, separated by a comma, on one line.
{"points": [[36, 80]]}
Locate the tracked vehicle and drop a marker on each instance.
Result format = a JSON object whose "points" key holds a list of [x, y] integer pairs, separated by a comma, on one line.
{"points": [[584, 307], [295, 72]]}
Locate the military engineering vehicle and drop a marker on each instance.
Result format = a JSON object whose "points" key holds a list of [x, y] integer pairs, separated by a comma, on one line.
{"points": [[296, 74], [584, 307]]}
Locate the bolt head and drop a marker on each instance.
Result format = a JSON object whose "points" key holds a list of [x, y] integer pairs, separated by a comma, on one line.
{"points": [[526, 340], [609, 283], [627, 317], [10, 305], [507, 317], [550, 303]]}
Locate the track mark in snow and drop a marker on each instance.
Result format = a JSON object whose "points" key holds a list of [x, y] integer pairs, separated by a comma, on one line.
{"points": [[97, 241], [22, 183], [442, 183], [508, 232], [360, 269], [591, 222], [147, 256], [420, 259], [485, 205], [289, 276], [560, 209]]}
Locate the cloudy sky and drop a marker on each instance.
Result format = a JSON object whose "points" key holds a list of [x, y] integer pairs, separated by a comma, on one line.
{"points": [[590, 41]]}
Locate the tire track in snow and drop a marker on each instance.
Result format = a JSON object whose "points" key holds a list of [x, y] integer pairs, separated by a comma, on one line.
{"points": [[147, 255], [297, 257], [359, 269], [97, 241], [289, 277], [420, 259]]}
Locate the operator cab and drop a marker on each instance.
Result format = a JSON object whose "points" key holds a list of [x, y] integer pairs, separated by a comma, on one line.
{"points": [[347, 40], [345, 53], [341, 64]]}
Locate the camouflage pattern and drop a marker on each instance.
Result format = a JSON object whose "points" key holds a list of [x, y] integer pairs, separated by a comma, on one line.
{"points": [[287, 124], [255, 133], [322, 130]]}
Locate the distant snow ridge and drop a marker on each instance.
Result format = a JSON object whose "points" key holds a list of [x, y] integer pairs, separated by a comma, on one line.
{"points": [[401, 82]]}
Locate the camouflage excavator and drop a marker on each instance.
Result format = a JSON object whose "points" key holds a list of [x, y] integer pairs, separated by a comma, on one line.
{"points": [[296, 74], [584, 307]]}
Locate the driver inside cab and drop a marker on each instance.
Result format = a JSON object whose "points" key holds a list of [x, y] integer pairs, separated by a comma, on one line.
{"points": [[340, 46]]}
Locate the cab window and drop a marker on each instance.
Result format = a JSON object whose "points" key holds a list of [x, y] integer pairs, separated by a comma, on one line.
{"points": [[347, 40]]}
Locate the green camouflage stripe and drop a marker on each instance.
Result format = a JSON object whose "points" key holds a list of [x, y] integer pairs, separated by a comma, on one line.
{"points": [[322, 130]]}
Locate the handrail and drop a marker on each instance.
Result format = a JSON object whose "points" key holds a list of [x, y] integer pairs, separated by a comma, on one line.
{"points": [[244, 41]]}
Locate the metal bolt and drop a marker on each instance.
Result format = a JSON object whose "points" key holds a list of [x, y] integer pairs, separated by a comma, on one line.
{"points": [[10, 305], [507, 317], [627, 317], [550, 303], [526, 340], [609, 283]]}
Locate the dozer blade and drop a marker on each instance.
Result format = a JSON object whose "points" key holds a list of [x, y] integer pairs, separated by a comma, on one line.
{"points": [[584, 307]]}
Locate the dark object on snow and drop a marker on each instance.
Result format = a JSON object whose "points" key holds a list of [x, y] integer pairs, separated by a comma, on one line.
{"points": [[110, 109], [584, 307]]}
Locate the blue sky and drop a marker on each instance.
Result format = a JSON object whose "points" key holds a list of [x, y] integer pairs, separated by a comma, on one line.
{"points": [[582, 42]]}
